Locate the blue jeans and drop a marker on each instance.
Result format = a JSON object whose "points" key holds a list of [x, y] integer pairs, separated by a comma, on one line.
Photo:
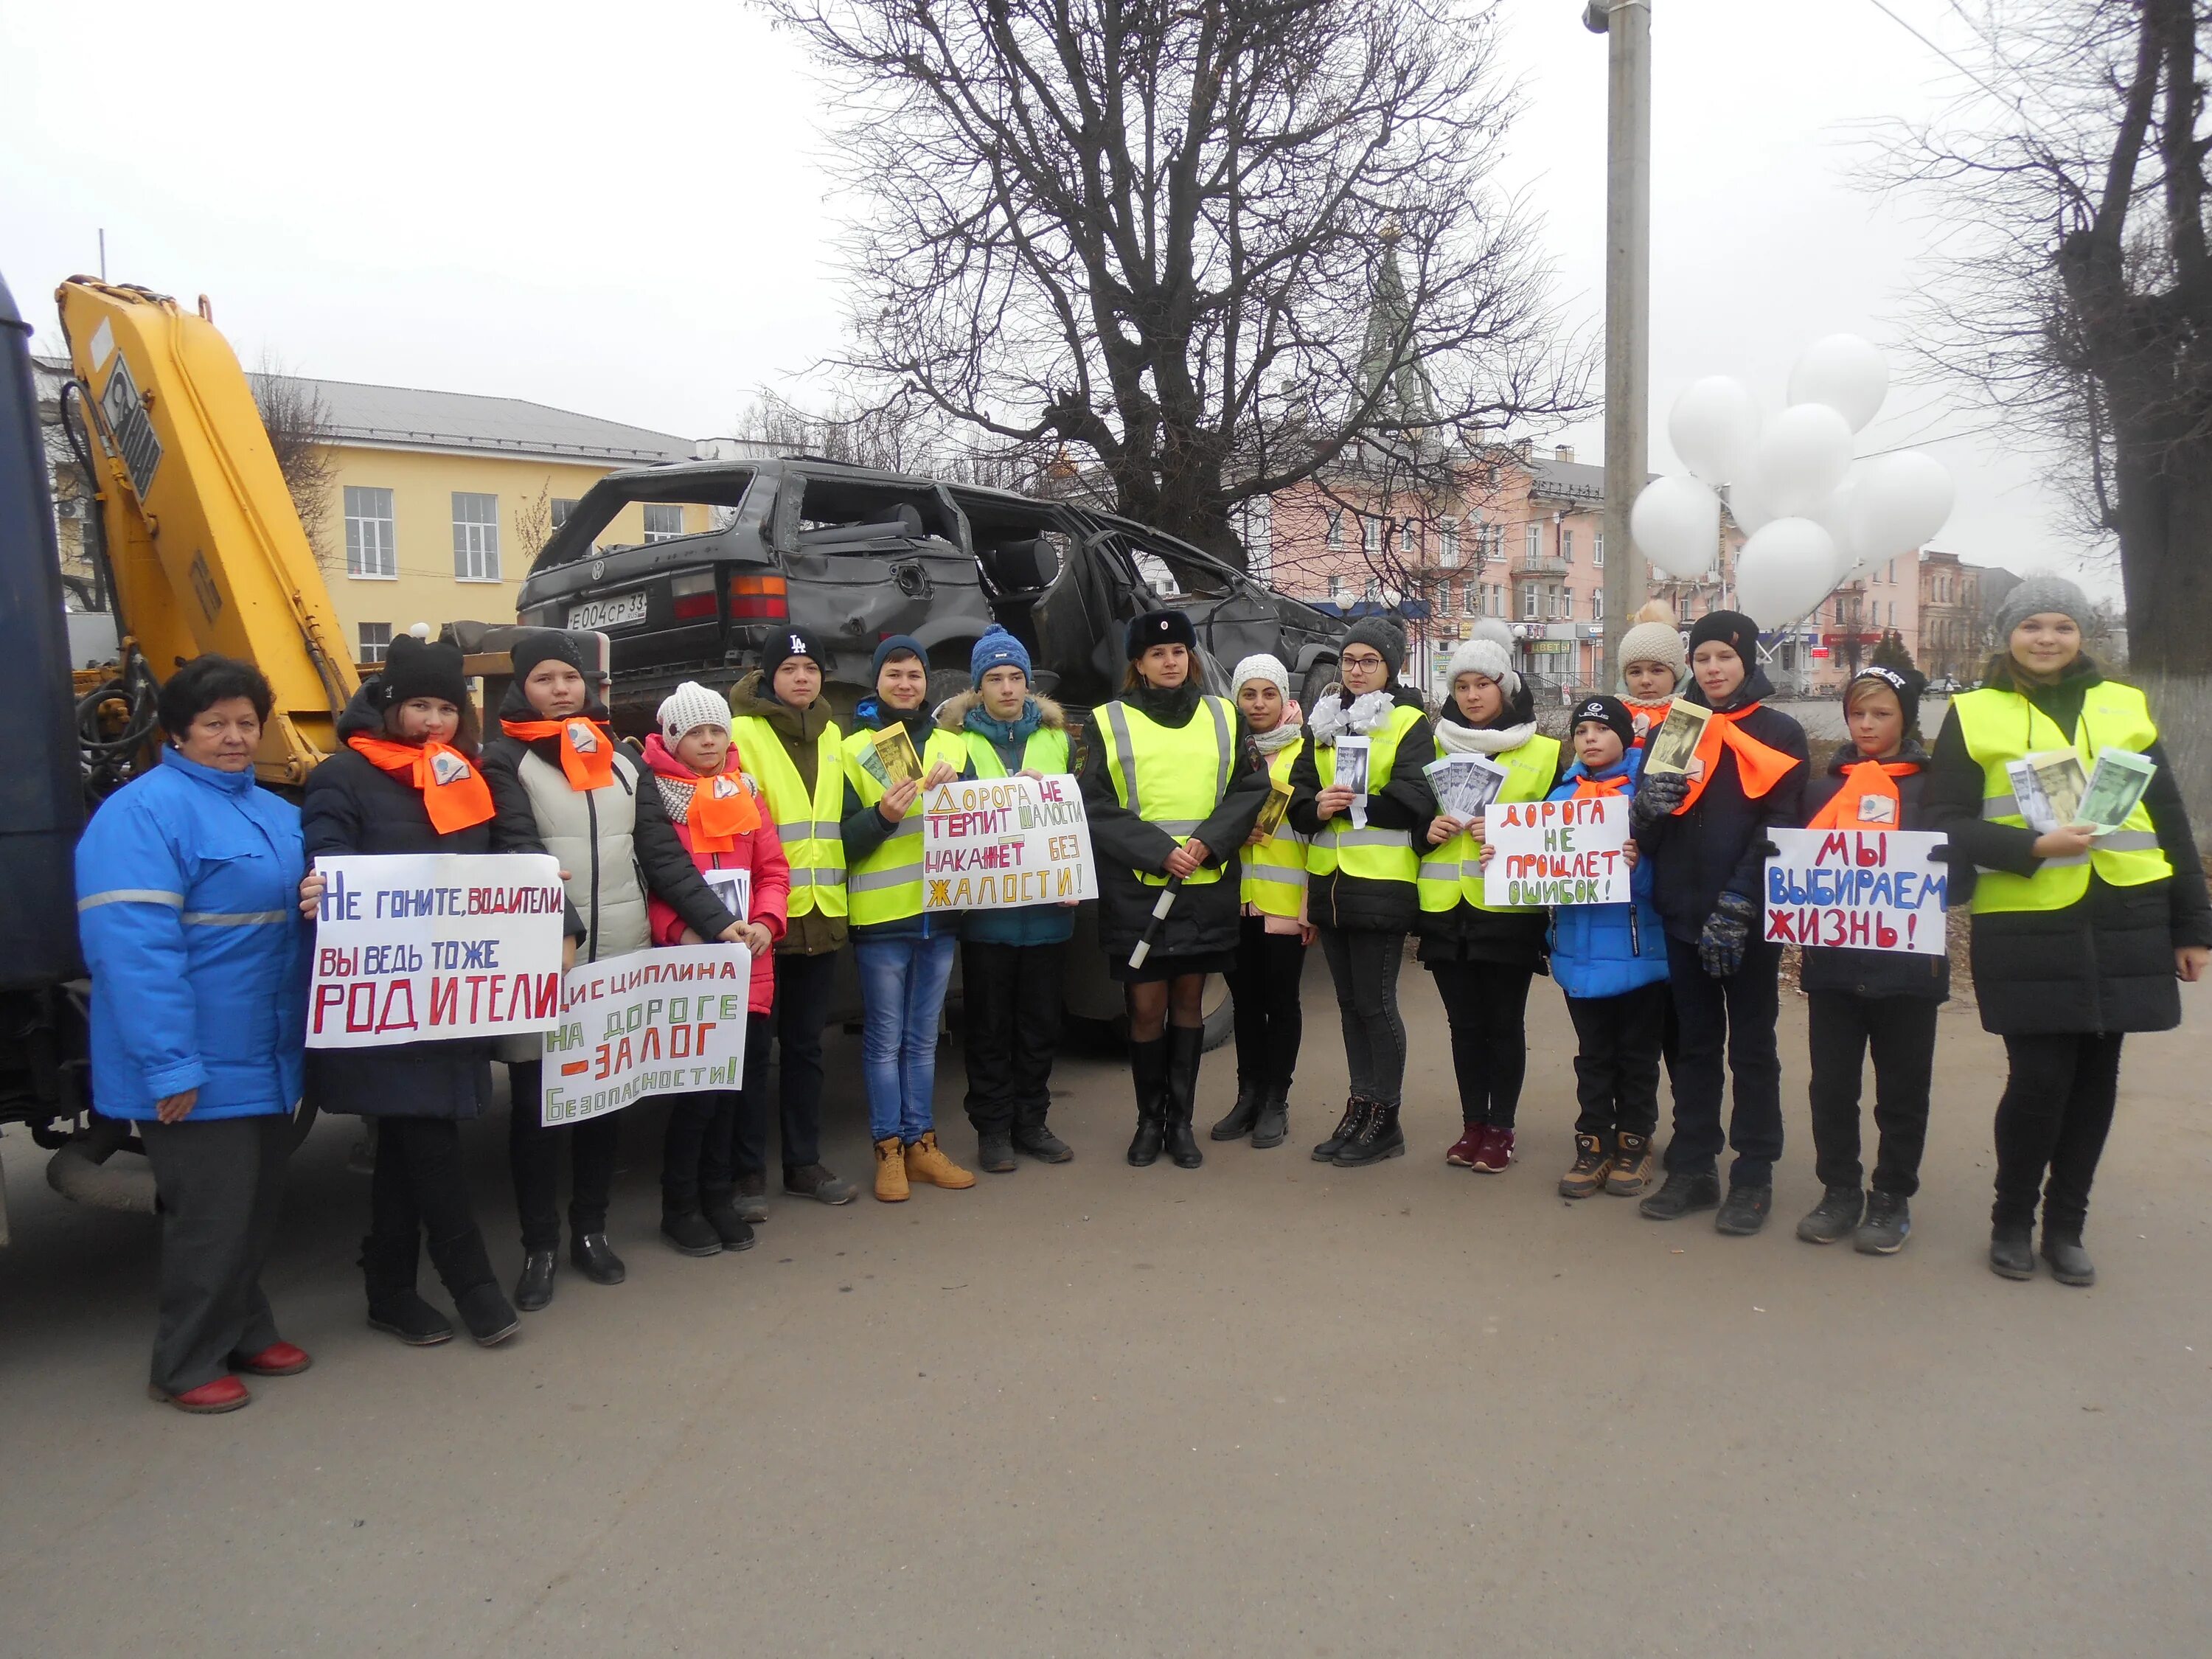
{"points": [[901, 992]]}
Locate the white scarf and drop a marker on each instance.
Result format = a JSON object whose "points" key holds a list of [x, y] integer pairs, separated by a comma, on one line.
{"points": [[1457, 739], [1287, 731], [1333, 720]]}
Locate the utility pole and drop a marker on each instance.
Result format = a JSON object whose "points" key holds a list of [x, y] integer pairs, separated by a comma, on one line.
{"points": [[1626, 25]]}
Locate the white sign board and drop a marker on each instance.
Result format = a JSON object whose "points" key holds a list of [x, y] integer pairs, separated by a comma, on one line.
{"points": [[1001, 843], [651, 1022], [1557, 852], [1868, 890], [421, 947]]}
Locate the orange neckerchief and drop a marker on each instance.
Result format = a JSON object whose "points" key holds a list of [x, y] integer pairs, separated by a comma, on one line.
{"points": [[454, 792], [587, 748], [1648, 715], [721, 810], [1590, 789], [1863, 780], [1759, 768]]}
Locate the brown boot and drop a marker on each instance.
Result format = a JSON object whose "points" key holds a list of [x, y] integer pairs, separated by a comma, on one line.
{"points": [[891, 1170], [1633, 1164], [927, 1162], [1588, 1174]]}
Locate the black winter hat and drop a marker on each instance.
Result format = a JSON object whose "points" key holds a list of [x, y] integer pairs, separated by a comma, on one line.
{"points": [[786, 642], [423, 668], [1731, 629], [1613, 712], [541, 644], [1160, 627], [1908, 682], [1384, 637]]}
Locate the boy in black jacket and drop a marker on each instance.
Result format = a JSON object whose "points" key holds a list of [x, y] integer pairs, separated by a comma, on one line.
{"points": [[1706, 835]]}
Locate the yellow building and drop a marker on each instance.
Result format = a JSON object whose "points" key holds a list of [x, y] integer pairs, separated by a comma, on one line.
{"points": [[436, 501]]}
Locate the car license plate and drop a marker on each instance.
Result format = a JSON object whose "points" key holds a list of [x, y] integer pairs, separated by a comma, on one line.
{"points": [[609, 613]]}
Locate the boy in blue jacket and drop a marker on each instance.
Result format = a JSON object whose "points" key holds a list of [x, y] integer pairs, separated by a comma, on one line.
{"points": [[1611, 961]]}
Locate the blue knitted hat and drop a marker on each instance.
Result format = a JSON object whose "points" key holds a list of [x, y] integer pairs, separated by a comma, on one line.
{"points": [[889, 646], [997, 649]]}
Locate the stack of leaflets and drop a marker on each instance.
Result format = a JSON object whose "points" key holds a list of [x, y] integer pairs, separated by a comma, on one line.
{"points": [[890, 758], [1671, 747], [2115, 787], [1465, 784], [1271, 815], [2053, 793]]}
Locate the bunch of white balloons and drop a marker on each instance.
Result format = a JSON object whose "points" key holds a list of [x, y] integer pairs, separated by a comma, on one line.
{"points": [[1815, 518]]}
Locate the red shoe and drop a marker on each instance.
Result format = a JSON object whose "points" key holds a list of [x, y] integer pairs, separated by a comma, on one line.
{"points": [[225, 1394], [1496, 1153], [278, 1360], [1462, 1154]]}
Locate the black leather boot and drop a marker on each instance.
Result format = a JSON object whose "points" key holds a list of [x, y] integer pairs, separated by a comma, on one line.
{"points": [[534, 1289], [1377, 1137], [596, 1259], [2012, 1251], [719, 1206], [387, 1266], [1272, 1127], [1148, 1071], [1244, 1115], [1682, 1192], [2069, 1263], [1185, 1044], [466, 1268], [685, 1228], [1356, 1109]]}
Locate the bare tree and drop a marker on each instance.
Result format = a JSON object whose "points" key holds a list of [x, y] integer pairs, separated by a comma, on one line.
{"points": [[533, 522], [2073, 288], [298, 423], [1156, 233]]}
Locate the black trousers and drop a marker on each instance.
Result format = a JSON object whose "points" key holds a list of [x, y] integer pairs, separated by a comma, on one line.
{"points": [[1487, 1004], [1901, 1032], [1737, 1014], [534, 1153], [1264, 992], [2057, 1110], [221, 1182], [1365, 966], [745, 1128], [803, 988], [1010, 1030], [419, 1184], [1617, 1047]]}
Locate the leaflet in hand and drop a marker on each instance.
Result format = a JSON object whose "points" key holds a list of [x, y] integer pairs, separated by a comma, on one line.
{"points": [[2048, 786], [2115, 787], [734, 887], [1669, 749], [894, 751], [1465, 784], [1271, 815], [1352, 758]]}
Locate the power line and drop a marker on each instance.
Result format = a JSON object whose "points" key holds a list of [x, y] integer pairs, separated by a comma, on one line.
{"points": [[1882, 7]]}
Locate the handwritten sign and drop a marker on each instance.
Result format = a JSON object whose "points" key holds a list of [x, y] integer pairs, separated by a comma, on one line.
{"points": [[1557, 852], [1870, 890], [999, 843], [651, 1022], [421, 947]]}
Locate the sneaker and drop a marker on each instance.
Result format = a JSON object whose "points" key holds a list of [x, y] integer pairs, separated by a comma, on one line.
{"points": [[1587, 1172], [1495, 1152], [926, 1165], [1680, 1193], [1888, 1223], [1041, 1143], [1744, 1211], [1633, 1162], [1834, 1215], [994, 1153], [891, 1186], [1461, 1155], [813, 1180]]}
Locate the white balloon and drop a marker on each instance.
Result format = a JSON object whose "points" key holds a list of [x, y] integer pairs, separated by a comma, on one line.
{"points": [[1713, 426], [1747, 503], [1677, 523], [1846, 372], [1803, 455], [1784, 571], [1900, 503], [1835, 518]]}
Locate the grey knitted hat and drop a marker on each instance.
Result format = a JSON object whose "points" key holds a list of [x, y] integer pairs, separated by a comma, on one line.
{"points": [[1388, 639], [2034, 597]]}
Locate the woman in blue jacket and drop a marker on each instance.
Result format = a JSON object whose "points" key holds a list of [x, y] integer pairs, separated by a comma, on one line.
{"points": [[188, 894]]}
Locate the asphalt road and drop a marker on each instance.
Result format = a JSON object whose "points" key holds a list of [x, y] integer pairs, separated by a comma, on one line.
{"points": [[1265, 1408]]}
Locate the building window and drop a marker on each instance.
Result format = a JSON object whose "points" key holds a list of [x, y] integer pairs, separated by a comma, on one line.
{"points": [[1470, 599], [1566, 605], [1566, 545], [560, 512], [1532, 599], [1493, 541], [1497, 600], [476, 538], [1367, 534], [1535, 540], [1373, 592], [375, 639], [1335, 537], [1597, 604], [663, 521], [372, 548], [1449, 543], [1336, 587], [1597, 548], [1408, 536]]}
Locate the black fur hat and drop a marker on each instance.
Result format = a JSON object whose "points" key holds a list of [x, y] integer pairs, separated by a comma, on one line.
{"points": [[1161, 628]]}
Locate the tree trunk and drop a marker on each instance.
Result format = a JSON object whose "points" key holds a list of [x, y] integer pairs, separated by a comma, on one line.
{"points": [[2165, 512]]}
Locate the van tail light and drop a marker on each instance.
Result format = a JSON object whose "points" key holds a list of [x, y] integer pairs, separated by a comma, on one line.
{"points": [[758, 599], [692, 596]]}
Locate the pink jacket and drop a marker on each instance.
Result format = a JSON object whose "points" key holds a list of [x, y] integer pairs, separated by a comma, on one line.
{"points": [[760, 851]]}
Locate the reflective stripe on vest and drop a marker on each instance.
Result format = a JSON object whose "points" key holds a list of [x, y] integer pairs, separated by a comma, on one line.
{"points": [[1045, 751], [1366, 854], [1274, 880], [1172, 777], [1999, 726], [1452, 874], [886, 885], [810, 830]]}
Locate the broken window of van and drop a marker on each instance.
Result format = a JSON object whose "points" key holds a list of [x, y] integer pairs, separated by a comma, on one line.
{"points": [[663, 521], [850, 516], [663, 499]]}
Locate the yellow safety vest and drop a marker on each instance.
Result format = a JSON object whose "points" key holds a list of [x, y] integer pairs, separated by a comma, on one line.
{"points": [[1045, 751], [809, 829], [1369, 855], [2004, 726], [1452, 874], [1172, 777], [886, 885], [1275, 871]]}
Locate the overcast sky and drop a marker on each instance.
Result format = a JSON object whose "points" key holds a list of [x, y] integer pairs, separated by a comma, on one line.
{"points": [[620, 209]]}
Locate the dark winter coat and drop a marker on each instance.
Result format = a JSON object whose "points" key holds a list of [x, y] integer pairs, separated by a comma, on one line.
{"points": [[1884, 973], [1719, 844], [353, 805], [1026, 925], [2104, 963], [1205, 919], [1337, 900], [866, 829], [1466, 932]]}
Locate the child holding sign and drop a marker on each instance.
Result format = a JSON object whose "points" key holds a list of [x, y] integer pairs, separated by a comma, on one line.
{"points": [[716, 812], [1885, 1001]]}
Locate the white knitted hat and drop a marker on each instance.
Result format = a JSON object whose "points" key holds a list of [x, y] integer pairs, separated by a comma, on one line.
{"points": [[1654, 642], [1261, 666], [689, 705], [1485, 657]]}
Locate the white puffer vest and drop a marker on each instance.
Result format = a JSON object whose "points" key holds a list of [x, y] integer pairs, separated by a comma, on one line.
{"points": [[593, 832]]}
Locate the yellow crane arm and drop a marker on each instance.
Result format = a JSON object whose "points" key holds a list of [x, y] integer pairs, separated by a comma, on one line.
{"points": [[206, 550]]}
